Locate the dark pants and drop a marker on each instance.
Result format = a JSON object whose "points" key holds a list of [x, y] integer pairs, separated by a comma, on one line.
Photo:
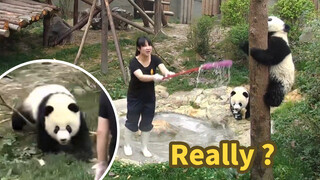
{"points": [[137, 107]]}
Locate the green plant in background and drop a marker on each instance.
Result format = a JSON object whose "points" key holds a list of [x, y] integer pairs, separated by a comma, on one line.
{"points": [[199, 35], [295, 13], [235, 12]]}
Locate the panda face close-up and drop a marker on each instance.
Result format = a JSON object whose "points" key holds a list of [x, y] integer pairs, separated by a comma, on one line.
{"points": [[62, 118]]}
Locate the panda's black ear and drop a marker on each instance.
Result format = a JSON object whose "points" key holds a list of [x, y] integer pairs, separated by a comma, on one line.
{"points": [[286, 28], [48, 110], [233, 93], [245, 94], [73, 107]]}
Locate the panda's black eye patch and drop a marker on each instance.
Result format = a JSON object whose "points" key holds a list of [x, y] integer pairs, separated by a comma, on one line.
{"points": [[56, 129], [245, 94], [69, 129], [48, 110], [269, 19], [73, 107], [233, 93], [240, 104]]}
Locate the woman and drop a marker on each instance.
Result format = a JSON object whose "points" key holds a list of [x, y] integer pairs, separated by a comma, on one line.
{"points": [[141, 94]]}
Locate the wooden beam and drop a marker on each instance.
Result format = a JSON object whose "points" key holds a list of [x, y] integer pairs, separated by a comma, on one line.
{"points": [[157, 16], [5, 33], [75, 11], [141, 12], [167, 13], [162, 2], [132, 23], [116, 42], [85, 32], [23, 5], [17, 21], [41, 4], [104, 39]]}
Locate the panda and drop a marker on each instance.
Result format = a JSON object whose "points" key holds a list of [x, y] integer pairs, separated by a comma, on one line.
{"points": [[59, 121], [279, 58], [239, 103]]}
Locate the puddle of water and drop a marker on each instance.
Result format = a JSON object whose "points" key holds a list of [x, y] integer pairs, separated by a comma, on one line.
{"points": [[173, 127]]}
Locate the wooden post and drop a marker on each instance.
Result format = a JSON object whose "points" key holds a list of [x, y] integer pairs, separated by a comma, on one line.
{"points": [[75, 11], [146, 19], [46, 30], [157, 16], [259, 79], [116, 42], [142, 13], [104, 38], [86, 31]]}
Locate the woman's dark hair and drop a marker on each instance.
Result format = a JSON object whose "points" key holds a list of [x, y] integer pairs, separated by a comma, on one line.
{"points": [[141, 41]]}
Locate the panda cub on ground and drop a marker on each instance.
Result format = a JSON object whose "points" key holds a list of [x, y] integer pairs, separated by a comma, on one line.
{"points": [[278, 56], [239, 103], [59, 121]]}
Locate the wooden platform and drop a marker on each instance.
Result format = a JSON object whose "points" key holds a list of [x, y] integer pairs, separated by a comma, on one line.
{"points": [[17, 14]]}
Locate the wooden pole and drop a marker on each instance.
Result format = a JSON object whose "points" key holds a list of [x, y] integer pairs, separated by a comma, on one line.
{"points": [[77, 26], [123, 19], [259, 79], [157, 16], [132, 23], [46, 30], [116, 43], [86, 31], [141, 11], [75, 11], [145, 19], [104, 39]]}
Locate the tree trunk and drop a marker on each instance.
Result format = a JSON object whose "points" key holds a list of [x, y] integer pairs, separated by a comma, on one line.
{"points": [[259, 79]]}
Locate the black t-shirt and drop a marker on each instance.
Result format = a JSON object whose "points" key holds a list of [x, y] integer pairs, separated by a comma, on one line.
{"points": [[106, 111], [137, 88]]}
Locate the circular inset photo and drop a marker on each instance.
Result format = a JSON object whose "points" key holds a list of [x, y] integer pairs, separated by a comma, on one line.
{"points": [[57, 122]]}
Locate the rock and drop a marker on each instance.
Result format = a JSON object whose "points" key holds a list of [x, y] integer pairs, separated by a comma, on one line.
{"points": [[307, 35]]}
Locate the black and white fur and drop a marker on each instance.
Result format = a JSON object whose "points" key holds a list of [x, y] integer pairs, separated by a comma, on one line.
{"points": [[239, 103], [278, 56], [59, 121]]}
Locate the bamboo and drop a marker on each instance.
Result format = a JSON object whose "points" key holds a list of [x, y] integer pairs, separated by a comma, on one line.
{"points": [[116, 42], [86, 31]]}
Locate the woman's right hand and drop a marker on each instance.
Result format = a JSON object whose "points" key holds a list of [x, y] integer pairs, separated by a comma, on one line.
{"points": [[157, 78]]}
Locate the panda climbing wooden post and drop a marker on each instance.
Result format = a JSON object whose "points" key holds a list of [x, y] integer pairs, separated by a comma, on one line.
{"points": [[259, 79]]}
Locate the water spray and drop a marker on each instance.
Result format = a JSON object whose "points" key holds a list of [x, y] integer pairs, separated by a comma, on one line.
{"points": [[207, 66]]}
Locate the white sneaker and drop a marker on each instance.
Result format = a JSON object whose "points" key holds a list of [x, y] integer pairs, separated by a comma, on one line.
{"points": [[127, 141], [144, 142]]}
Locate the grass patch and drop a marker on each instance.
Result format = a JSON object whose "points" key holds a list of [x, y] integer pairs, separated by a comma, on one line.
{"points": [[19, 160], [163, 171]]}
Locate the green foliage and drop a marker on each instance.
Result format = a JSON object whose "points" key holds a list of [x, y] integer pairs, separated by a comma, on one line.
{"points": [[235, 12], [297, 124], [199, 35], [295, 13], [230, 47], [163, 171], [239, 34]]}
